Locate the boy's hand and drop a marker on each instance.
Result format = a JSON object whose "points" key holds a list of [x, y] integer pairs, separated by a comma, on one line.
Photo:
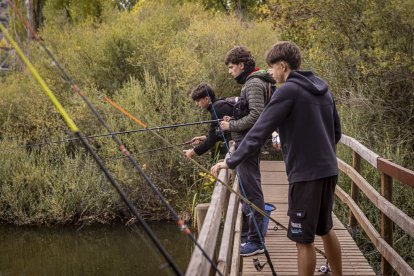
{"points": [[225, 125], [198, 140], [189, 153], [226, 118], [216, 168]]}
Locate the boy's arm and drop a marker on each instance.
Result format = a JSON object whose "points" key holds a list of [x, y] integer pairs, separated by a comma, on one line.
{"points": [[337, 125], [273, 115]]}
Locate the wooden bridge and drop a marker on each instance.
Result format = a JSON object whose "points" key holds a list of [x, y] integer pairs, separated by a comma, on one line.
{"points": [[224, 248]]}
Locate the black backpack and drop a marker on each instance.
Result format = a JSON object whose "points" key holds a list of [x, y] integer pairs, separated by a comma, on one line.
{"points": [[241, 106]]}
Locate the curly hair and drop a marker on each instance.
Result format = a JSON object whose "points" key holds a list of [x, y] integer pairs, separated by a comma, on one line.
{"points": [[240, 54]]}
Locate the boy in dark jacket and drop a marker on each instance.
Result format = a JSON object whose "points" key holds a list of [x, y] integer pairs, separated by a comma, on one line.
{"points": [[304, 112], [205, 98], [242, 67]]}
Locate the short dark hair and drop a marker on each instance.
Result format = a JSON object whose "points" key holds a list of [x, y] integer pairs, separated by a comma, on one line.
{"points": [[203, 90], [285, 51], [240, 54]]}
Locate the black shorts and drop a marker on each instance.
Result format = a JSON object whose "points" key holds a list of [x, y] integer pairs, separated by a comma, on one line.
{"points": [[310, 208]]}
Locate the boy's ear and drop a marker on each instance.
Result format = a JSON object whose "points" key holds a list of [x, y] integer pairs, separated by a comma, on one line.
{"points": [[285, 66], [242, 65]]}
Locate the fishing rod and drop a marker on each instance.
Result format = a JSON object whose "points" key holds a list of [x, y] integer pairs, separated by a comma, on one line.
{"points": [[258, 230], [202, 168], [153, 150], [227, 186], [120, 132], [324, 268], [181, 224], [89, 148]]}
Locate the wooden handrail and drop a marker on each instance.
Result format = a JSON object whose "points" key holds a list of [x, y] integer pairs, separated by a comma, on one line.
{"points": [[224, 256], [384, 248], [389, 213], [208, 235], [398, 172], [390, 210], [209, 232], [235, 260], [363, 151]]}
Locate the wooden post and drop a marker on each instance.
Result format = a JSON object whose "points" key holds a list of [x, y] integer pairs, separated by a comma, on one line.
{"points": [[201, 211], [386, 223], [356, 164]]}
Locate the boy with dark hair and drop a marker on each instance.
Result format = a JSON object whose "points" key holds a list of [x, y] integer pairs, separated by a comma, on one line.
{"points": [[205, 98], [304, 112], [241, 65]]}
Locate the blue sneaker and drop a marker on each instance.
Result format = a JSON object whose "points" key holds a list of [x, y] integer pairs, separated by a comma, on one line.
{"points": [[251, 248]]}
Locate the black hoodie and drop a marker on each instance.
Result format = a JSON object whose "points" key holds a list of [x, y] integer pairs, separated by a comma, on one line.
{"points": [[304, 112]]}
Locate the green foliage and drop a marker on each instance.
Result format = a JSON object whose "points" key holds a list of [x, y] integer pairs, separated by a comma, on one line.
{"points": [[148, 64], [364, 49], [370, 62], [48, 186]]}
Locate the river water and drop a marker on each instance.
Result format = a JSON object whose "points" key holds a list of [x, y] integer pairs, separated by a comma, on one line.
{"points": [[91, 250]]}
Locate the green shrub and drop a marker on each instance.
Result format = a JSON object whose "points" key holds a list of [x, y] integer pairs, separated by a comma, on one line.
{"points": [[148, 64]]}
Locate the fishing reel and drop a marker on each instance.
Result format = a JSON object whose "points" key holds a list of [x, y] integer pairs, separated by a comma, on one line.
{"points": [[325, 268], [258, 265]]}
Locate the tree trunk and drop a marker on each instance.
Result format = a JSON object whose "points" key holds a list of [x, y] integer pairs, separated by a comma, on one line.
{"points": [[30, 18]]}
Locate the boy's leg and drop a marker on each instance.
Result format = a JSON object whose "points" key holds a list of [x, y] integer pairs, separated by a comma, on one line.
{"points": [[325, 224], [249, 177], [306, 259], [303, 211], [333, 252]]}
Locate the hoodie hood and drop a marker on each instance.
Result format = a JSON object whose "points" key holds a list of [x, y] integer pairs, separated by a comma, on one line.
{"points": [[308, 81], [263, 75]]}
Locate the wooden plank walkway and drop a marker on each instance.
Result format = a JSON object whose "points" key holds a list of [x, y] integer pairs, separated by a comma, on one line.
{"points": [[282, 250]]}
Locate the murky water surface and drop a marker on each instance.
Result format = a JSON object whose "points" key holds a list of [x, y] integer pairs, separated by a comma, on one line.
{"points": [[91, 250]]}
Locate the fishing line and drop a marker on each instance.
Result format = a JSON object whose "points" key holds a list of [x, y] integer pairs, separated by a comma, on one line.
{"points": [[181, 224], [277, 223], [119, 132], [154, 150], [259, 231], [82, 138], [202, 168], [89, 148]]}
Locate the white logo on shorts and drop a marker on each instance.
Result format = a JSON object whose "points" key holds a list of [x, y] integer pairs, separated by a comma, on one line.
{"points": [[296, 225]]}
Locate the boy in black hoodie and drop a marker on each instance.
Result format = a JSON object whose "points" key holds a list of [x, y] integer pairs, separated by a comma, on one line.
{"points": [[205, 98], [304, 112]]}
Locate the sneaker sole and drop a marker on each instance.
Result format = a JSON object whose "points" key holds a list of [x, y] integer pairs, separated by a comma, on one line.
{"points": [[258, 251]]}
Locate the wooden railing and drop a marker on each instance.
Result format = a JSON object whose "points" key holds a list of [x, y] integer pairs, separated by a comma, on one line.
{"points": [[390, 214], [222, 204]]}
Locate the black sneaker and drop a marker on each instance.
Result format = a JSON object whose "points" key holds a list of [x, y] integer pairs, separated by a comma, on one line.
{"points": [[251, 248]]}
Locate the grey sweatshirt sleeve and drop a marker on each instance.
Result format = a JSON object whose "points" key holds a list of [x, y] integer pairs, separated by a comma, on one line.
{"points": [[255, 97]]}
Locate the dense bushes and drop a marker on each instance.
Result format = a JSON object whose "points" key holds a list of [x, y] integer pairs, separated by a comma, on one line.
{"points": [[364, 49], [145, 62]]}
